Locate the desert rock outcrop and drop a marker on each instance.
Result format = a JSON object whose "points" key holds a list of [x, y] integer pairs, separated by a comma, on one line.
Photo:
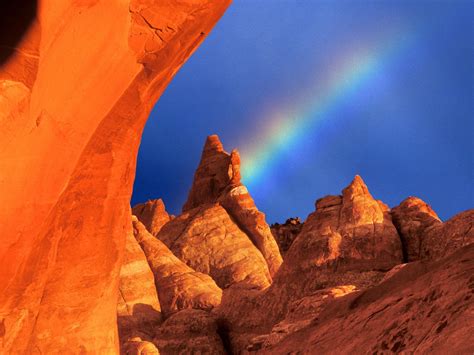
{"points": [[207, 240], [444, 239], [286, 233], [424, 308], [218, 179], [152, 214], [190, 331], [138, 308], [412, 218], [75, 94], [179, 286], [347, 240], [423, 234]]}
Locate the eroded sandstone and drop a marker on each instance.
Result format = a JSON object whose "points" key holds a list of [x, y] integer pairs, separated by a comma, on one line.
{"points": [[75, 95], [178, 285]]}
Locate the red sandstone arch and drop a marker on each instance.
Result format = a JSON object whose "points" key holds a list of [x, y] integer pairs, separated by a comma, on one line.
{"points": [[74, 98]]}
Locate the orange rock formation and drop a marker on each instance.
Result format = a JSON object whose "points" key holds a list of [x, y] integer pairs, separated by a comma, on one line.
{"points": [[75, 93], [74, 97], [179, 286], [217, 179]]}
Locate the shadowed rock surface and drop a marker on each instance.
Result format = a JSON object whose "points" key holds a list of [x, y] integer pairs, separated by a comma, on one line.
{"points": [[190, 332], [412, 218], [286, 233]]}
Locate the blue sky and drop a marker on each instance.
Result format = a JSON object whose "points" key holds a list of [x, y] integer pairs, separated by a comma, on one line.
{"points": [[407, 129]]}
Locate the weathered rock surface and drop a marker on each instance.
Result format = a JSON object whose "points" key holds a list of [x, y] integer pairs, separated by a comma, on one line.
{"points": [[217, 179], [190, 332], [136, 346], [138, 307], [207, 240], [74, 97], [412, 218], [427, 307], [424, 236], [179, 286], [286, 233], [301, 314], [444, 239], [348, 240], [152, 214], [213, 175]]}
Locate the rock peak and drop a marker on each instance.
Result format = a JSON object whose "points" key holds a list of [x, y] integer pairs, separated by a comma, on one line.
{"points": [[416, 204], [213, 144], [218, 180], [357, 187]]}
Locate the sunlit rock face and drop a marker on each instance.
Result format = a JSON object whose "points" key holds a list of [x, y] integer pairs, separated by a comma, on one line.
{"points": [[424, 236], [152, 214], [178, 285], [426, 307], [207, 240], [138, 307], [74, 97], [343, 269], [218, 180], [349, 239], [345, 265]]}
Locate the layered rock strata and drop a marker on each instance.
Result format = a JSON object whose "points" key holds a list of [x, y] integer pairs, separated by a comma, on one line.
{"points": [[152, 214], [75, 93], [218, 179], [178, 285], [138, 308]]}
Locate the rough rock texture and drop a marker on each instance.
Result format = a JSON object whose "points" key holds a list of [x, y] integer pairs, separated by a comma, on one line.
{"points": [[190, 332], [412, 218], [444, 239], [207, 240], [424, 236], [217, 179], [349, 239], [179, 286], [136, 346], [152, 214], [138, 307], [300, 314], [425, 308], [74, 97], [286, 233]]}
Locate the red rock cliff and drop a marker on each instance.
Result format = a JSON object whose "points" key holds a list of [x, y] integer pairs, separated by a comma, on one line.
{"points": [[74, 98]]}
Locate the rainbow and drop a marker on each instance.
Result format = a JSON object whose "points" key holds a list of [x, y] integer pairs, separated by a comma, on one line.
{"points": [[288, 125]]}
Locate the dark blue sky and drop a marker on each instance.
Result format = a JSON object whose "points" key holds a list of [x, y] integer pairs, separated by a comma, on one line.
{"points": [[406, 128]]}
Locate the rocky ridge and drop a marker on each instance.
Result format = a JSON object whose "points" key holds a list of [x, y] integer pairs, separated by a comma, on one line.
{"points": [[345, 267]]}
